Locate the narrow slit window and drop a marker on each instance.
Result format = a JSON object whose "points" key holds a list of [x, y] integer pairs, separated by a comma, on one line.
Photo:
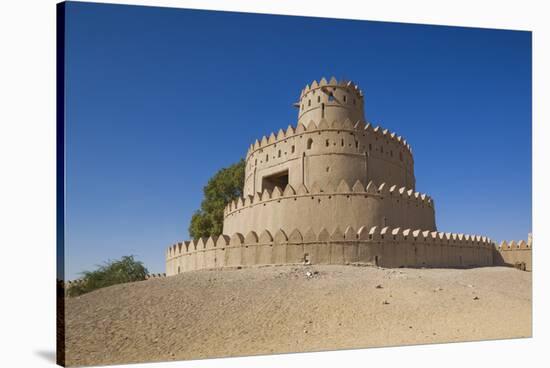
{"points": [[309, 143]]}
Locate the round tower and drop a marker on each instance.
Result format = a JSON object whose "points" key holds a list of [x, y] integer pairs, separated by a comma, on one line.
{"points": [[331, 101], [331, 170], [331, 190]]}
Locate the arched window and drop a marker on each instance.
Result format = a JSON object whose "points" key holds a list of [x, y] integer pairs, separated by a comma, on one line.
{"points": [[279, 154], [342, 142], [356, 144], [266, 157], [309, 102], [344, 98], [326, 143], [309, 143], [292, 149]]}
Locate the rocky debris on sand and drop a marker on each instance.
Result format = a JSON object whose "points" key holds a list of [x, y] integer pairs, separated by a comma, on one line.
{"points": [[395, 274]]}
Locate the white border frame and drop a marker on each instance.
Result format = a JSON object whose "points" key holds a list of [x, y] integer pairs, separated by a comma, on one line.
{"points": [[27, 190]]}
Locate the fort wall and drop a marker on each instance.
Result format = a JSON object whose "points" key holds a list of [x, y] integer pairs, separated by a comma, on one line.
{"points": [[515, 254], [329, 207], [385, 247]]}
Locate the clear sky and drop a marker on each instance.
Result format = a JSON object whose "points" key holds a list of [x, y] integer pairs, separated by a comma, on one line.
{"points": [[159, 99]]}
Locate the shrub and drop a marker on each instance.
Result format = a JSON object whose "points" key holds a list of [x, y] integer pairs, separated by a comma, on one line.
{"points": [[127, 269]]}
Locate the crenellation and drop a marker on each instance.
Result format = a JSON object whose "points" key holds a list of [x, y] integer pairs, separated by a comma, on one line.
{"points": [[371, 188], [383, 246], [337, 235]]}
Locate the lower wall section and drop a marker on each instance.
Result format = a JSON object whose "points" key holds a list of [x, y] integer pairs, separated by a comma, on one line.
{"points": [[383, 247], [515, 254]]}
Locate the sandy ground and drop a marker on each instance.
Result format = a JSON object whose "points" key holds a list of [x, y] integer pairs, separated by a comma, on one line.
{"points": [[280, 309]]}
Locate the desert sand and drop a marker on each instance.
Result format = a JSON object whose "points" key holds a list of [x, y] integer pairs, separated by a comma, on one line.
{"points": [[279, 309]]}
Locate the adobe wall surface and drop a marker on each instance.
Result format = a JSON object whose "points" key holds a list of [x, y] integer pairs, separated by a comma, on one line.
{"points": [[332, 100], [326, 153], [329, 207], [515, 254], [383, 247]]}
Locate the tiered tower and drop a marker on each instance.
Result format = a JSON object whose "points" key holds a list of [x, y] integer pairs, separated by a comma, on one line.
{"points": [[331, 155], [334, 189]]}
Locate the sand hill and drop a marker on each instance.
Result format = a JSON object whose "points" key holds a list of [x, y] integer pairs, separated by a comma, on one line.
{"points": [[294, 308]]}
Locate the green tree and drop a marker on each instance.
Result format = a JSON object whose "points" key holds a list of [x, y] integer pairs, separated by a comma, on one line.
{"points": [[127, 269], [226, 185]]}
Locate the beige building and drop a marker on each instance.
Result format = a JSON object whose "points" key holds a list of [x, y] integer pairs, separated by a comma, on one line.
{"points": [[331, 190]]}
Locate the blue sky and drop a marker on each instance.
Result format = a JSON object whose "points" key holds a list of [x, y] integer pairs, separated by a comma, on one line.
{"points": [[159, 99]]}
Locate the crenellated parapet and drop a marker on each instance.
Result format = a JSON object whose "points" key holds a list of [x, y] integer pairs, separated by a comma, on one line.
{"points": [[345, 84], [345, 126], [380, 246], [324, 151], [343, 188], [331, 100], [340, 204], [515, 254]]}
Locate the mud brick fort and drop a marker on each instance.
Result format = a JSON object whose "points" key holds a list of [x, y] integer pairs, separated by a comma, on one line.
{"points": [[336, 190]]}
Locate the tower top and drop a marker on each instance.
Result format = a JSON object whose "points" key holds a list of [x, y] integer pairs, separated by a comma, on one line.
{"points": [[332, 100]]}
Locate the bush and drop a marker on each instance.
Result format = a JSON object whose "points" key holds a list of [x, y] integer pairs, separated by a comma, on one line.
{"points": [[226, 185], [127, 269]]}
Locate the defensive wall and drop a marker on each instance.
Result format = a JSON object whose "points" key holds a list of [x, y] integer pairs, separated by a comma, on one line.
{"points": [[385, 247], [329, 207], [515, 254]]}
